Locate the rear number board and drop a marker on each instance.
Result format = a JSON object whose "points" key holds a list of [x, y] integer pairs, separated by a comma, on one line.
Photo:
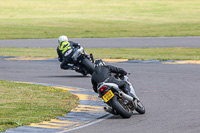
{"points": [[108, 96]]}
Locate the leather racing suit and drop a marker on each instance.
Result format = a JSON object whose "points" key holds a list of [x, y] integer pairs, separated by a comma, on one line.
{"points": [[65, 52], [101, 73]]}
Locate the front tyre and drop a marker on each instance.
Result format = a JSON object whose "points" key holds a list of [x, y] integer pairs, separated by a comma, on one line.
{"points": [[140, 108], [121, 108]]}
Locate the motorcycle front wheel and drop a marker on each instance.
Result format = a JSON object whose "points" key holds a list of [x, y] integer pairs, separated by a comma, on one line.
{"points": [[140, 108], [119, 105]]}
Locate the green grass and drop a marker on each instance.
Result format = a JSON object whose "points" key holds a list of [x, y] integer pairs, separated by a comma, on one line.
{"points": [[114, 53], [22, 104], [98, 18], [148, 53]]}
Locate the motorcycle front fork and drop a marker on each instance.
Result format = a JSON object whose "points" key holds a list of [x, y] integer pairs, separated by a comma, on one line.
{"points": [[132, 90]]}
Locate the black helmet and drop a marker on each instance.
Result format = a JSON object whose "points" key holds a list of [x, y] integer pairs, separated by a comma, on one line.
{"points": [[99, 63]]}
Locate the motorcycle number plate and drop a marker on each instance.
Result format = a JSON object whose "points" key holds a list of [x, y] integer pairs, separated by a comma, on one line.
{"points": [[108, 96]]}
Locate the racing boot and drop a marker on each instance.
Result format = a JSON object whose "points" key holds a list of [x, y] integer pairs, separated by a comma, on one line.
{"points": [[91, 57], [128, 91], [81, 70]]}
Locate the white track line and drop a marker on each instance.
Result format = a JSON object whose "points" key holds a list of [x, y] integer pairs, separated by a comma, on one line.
{"points": [[86, 125]]}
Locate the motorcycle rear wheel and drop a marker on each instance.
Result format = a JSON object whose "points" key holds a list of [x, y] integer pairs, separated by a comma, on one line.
{"points": [[121, 108], [88, 64]]}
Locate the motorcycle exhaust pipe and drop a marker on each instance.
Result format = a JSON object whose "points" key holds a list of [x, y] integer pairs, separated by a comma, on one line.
{"points": [[124, 95]]}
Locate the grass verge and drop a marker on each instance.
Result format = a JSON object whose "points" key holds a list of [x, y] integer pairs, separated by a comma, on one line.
{"points": [[98, 18], [114, 53], [22, 104]]}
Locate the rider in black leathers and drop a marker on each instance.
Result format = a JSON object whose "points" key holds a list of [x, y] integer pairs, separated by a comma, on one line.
{"points": [[103, 72]]}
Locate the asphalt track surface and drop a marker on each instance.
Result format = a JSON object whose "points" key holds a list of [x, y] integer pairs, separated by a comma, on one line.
{"points": [[170, 93], [109, 42]]}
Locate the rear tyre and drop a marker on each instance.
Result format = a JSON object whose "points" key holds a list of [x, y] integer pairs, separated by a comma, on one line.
{"points": [[88, 64], [121, 108], [84, 74]]}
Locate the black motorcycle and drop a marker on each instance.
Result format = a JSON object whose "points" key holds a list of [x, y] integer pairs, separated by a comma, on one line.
{"points": [[82, 63]]}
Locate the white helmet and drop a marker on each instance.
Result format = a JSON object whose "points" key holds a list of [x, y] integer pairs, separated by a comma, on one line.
{"points": [[62, 38]]}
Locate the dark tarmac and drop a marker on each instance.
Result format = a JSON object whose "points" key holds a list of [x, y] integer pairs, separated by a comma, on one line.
{"points": [[170, 93], [127, 42]]}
